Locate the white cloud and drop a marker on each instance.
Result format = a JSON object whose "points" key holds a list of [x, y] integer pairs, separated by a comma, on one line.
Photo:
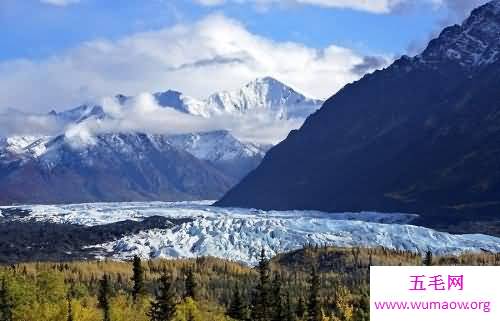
{"points": [[17, 123], [143, 114], [210, 2], [60, 3], [376, 6], [457, 7], [213, 54]]}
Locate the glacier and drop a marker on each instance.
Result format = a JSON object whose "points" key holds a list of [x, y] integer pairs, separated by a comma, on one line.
{"points": [[239, 234]]}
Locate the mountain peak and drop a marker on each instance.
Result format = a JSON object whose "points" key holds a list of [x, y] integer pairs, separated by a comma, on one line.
{"points": [[475, 42], [80, 113], [265, 93], [179, 101], [268, 82]]}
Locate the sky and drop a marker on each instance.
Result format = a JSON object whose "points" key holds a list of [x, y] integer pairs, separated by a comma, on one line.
{"points": [[56, 54]]}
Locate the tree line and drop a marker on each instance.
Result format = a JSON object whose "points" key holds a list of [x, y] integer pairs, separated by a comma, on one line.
{"points": [[311, 284]]}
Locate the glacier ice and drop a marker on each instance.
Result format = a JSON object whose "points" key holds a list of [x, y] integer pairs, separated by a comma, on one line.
{"points": [[239, 234]]}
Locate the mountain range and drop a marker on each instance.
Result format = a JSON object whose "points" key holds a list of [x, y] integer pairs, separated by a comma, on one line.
{"points": [[74, 165], [421, 136]]}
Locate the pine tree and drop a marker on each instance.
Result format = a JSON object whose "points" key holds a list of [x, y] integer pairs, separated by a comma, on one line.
{"points": [[237, 309], [70, 308], [103, 297], [137, 279], [190, 285], [5, 302], [363, 308], [289, 315], [277, 300], [163, 307], [190, 316], [313, 304], [261, 298], [428, 258], [300, 310]]}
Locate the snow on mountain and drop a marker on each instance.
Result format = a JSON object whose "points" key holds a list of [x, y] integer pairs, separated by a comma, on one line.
{"points": [[216, 146], [83, 144], [264, 94], [240, 234], [228, 154], [133, 147], [473, 43], [23, 147], [115, 167], [80, 113], [181, 102]]}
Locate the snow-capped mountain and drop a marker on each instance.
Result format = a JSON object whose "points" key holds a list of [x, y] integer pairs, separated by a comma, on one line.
{"points": [[181, 102], [116, 167], [264, 94], [223, 150], [131, 160], [216, 146], [79, 114], [473, 43]]}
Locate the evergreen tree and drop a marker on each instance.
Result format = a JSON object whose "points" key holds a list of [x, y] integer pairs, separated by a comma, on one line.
{"points": [[70, 308], [103, 297], [428, 258], [300, 310], [277, 299], [137, 279], [163, 306], [237, 309], [5, 302], [190, 285], [261, 299], [190, 316], [313, 304], [363, 309], [289, 315]]}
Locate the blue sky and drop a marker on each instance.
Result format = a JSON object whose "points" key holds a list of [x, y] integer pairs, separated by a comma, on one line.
{"points": [[131, 46], [31, 29]]}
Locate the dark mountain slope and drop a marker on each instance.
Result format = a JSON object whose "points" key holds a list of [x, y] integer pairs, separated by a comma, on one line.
{"points": [[119, 167], [420, 136]]}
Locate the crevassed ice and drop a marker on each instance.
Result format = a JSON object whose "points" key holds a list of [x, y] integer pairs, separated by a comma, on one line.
{"points": [[239, 234]]}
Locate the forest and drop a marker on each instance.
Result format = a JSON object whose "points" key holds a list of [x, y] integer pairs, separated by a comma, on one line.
{"points": [[316, 283]]}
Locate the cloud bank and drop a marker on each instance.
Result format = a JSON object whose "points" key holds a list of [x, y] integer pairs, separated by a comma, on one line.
{"points": [[143, 114], [13, 122], [198, 59]]}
